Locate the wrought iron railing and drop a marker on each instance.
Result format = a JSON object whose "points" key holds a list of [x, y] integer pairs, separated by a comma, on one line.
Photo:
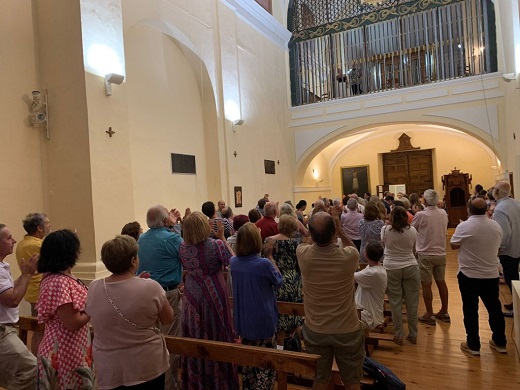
{"points": [[440, 43]]}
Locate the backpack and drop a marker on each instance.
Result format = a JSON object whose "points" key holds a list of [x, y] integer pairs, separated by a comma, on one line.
{"points": [[384, 377]]}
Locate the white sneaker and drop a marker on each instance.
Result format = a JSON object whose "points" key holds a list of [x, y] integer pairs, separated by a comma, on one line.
{"points": [[494, 346]]}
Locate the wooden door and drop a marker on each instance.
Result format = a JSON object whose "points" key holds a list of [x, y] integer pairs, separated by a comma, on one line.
{"points": [[412, 168]]}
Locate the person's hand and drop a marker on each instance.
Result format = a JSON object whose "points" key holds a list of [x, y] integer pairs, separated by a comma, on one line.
{"points": [[144, 275], [268, 248], [187, 212], [219, 233], [28, 267]]}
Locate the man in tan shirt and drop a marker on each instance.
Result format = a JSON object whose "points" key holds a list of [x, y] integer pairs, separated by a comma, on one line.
{"points": [[332, 328]]}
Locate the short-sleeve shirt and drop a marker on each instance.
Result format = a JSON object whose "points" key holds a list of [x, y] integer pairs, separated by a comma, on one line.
{"points": [[328, 287], [8, 315], [479, 239], [398, 247], [268, 227], [431, 225], [370, 294], [125, 355], [26, 248], [159, 255]]}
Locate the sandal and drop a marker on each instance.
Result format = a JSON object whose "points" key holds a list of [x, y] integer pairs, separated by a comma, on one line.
{"points": [[398, 340], [427, 320]]}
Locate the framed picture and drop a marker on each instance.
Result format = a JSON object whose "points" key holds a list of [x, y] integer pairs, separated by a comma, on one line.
{"points": [[238, 196], [355, 180], [269, 167]]}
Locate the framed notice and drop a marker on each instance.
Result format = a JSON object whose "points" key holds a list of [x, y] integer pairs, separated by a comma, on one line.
{"points": [[238, 196]]}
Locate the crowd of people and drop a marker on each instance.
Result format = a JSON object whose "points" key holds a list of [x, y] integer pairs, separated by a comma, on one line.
{"points": [[176, 279]]}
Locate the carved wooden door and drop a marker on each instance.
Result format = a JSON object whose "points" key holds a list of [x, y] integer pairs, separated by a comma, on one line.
{"points": [[413, 168]]}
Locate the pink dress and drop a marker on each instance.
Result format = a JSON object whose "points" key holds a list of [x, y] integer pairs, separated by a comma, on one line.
{"points": [[64, 357]]}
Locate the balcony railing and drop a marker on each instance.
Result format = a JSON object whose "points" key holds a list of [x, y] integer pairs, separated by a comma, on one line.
{"points": [[443, 43]]}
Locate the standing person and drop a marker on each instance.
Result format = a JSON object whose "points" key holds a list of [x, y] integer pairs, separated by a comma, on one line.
{"points": [[478, 240], [255, 280], [284, 255], [65, 352], [331, 327], [18, 367], [206, 313], [350, 220], [369, 228], [268, 226], [300, 208], [432, 225], [132, 229], [402, 273], [371, 281], [221, 205], [507, 214], [125, 311], [37, 226], [159, 255]]}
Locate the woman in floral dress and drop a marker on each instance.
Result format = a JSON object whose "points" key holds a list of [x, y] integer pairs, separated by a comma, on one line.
{"points": [[65, 352], [284, 253], [205, 305]]}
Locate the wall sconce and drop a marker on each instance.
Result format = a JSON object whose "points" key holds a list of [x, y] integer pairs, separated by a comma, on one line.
{"points": [[40, 115], [112, 78], [237, 122], [512, 77], [316, 176]]}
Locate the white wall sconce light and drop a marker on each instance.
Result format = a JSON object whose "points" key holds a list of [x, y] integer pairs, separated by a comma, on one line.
{"points": [[112, 78], [512, 77], [316, 176], [237, 122], [39, 114]]}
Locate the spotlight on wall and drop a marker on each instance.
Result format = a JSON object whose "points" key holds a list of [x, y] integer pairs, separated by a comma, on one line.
{"points": [[512, 77], [316, 176], [39, 115], [112, 78], [237, 122]]}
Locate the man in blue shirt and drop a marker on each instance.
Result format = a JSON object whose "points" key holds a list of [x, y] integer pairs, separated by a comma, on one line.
{"points": [[159, 255]]}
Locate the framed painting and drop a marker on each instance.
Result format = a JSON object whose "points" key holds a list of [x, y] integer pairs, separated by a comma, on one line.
{"points": [[355, 180], [238, 196]]}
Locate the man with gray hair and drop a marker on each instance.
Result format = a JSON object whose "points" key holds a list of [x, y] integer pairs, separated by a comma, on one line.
{"points": [[18, 364], [431, 225], [350, 221], [37, 226], [507, 214], [268, 226], [159, 255]]}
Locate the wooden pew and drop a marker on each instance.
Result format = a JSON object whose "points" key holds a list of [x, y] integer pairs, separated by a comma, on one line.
{"points": [[289, 308], [284, 362]]}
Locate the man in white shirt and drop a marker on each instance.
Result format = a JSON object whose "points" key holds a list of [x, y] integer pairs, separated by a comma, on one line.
{"points": [[18, 367], [371, 281], [478, 240]]}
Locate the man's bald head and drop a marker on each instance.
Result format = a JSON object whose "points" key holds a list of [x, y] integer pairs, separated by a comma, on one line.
{"points": [[502, 190], [477, 206], [322, 228]]}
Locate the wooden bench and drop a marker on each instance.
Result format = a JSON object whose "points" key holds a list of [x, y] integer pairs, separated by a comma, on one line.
{"points": [[289, 308], [284, 362]]}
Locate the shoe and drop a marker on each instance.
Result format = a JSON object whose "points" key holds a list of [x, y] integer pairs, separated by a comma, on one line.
{"points": [[427, 320], [509, 314], [508, 306], [411, 339], [465, 348], [398, 340], [494, 346], [444, 317]]}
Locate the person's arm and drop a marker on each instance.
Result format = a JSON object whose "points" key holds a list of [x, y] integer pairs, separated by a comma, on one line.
{"points": [[220, 235], [501, 218], [268, 253], [302, 229], [13, 296], [166, 313], [345, 239], [71, 318]]}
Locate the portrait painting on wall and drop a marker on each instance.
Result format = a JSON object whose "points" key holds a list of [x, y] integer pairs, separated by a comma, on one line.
{"points": [[355, 180], [238, 196]]}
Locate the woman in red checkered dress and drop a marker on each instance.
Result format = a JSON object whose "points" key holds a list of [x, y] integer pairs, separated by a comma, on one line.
{"points": [[65, 353]]}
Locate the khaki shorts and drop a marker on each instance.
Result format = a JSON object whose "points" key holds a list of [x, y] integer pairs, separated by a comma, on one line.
{"points": [[432, 265], [347, 348]]}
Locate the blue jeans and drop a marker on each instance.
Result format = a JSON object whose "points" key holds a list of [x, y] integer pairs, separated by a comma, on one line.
{"points": [[487, 289]]}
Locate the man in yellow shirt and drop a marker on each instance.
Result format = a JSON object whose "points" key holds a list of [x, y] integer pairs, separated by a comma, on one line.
{"points": [[37, 226]]}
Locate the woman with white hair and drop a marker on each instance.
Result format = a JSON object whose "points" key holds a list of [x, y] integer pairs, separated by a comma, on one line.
{"points": [[287, 209]]}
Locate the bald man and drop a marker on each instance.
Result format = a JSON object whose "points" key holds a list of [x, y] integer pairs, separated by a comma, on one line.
{"points": [[332, 328], [478, 240], [507, 214]]}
